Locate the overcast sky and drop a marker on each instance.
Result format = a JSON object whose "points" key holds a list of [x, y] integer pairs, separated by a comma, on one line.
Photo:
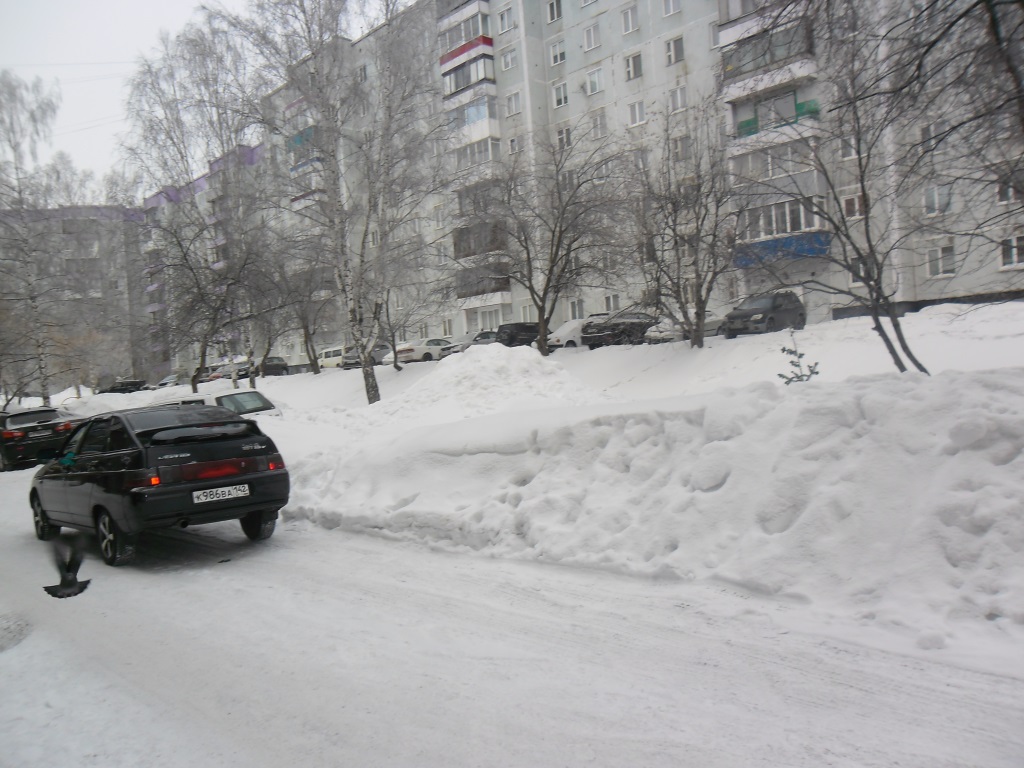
{"points": [[89, 47]]}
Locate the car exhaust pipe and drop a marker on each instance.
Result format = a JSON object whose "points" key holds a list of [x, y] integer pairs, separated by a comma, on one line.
{"points": [[184, 522]]}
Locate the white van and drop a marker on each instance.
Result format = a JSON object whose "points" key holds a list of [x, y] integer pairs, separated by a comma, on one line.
{"points": [[331, 357]]}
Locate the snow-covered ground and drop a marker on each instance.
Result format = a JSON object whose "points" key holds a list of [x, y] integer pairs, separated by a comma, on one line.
{"points": [[653, 555]]}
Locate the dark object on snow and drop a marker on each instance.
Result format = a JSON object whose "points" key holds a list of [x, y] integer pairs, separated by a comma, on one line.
{"points": [[68, 561]]}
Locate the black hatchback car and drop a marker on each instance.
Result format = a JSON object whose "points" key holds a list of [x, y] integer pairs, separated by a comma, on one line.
{"points": [[128, 471], [765, 313], [625, 327], [25, 434], [517, 334]]}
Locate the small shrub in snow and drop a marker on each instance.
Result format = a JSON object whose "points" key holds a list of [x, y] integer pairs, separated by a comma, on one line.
{"points": [[799, 373]]}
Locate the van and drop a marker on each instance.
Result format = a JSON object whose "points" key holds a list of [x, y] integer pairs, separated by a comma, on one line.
{"points": [[517, 334], [331, 357]]}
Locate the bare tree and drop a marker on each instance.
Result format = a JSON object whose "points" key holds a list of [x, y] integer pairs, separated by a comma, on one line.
{"points": [[687, 218], [550, 218]]}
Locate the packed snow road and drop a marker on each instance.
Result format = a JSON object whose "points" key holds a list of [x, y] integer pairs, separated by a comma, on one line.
{"points": [[319, 648]]}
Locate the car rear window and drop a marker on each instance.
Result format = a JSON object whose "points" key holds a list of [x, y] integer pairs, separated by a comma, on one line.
{"points": [[32, 417], [201, 433], [166, 417]]}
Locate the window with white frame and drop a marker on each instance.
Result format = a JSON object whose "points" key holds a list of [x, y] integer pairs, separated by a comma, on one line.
{"points": [[634, 66], [591, 37], [938, 199], [374, 238], [528, 313], [673, 51], [558, 53], [853, 206], [677, 98], [636, 113], [561, 95], [777, 219], [554, 10], [1010, 191], [598, 124], [858, 270], [490, 319], [563, 136], [438, 217], [941, 260], [680, 147], [602, 171], [446, 327], [1012, 249], [848, 147], [505, 20], [509, 59], [932, 134], [576, 309], [672, 6], [513, 105], [423, 330], [630, 20], [611, 302], [514, 145], [594, 81]]}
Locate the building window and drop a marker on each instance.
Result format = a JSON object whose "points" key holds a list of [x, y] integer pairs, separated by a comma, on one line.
{"points": [[591, 37], [476, 153], [636, 113], [514, 145], [680, 148], [564, 138], [505, 20], [467, 74], [1011, 191], [848, 147], [611, 303], [554, 10], [778, 219], [361, 73], [941, 261], [677, 99], [463, 32], [634, 66], [938, 199], [630, 20], [598, 124], [593, 81], [557, 53], [528, 313], [509, 59], [853, 206], [576, 309], [446, 327], [672, 6], [674, 51], [512, 104], [374, 238], [561, 95], [438, 217], [933, 134], [1013, 251]]}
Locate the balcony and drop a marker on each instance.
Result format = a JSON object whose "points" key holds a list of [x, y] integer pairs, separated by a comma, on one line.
{"points": [[802, 245], [804, 110], [482, 279]]}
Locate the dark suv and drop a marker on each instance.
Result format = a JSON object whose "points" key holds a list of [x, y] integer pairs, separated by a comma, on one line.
{"points": [[172, 465], [23, 435], [517, 334], [625, 327], [766, 312]]}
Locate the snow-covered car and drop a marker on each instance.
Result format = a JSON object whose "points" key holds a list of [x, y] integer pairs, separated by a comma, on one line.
{"points": [[351, 357], [242, 401], [568, 334], [413, 351], [668, 329], [130, 471], [469, 340], [625, 327]]}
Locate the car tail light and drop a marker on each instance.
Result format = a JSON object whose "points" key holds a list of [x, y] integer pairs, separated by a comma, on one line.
{"points": [[212, 470], [65, 427], [142, 478], [13, 434]]}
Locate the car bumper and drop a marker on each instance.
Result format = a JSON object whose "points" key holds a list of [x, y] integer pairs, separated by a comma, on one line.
{"points": [[26, 451], [747, 326], [170, 505]]}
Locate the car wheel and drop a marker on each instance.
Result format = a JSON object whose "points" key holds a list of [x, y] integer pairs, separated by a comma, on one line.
{"points": [[769, 325], [116, 547], [256, 527], [801, 321], [570, 344], [427, 358], [45, 530], [729, 334], [720, 331]]}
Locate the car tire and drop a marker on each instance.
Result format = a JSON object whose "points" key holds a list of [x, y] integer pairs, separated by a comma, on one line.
{"points": [[45, 530], [729, 334], [769, 326], [116, 547], [427, 358], [570, 344], [256, 527]]}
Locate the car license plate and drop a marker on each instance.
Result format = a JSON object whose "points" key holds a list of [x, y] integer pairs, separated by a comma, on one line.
{"points": [[218, 494], [40, 433]]}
